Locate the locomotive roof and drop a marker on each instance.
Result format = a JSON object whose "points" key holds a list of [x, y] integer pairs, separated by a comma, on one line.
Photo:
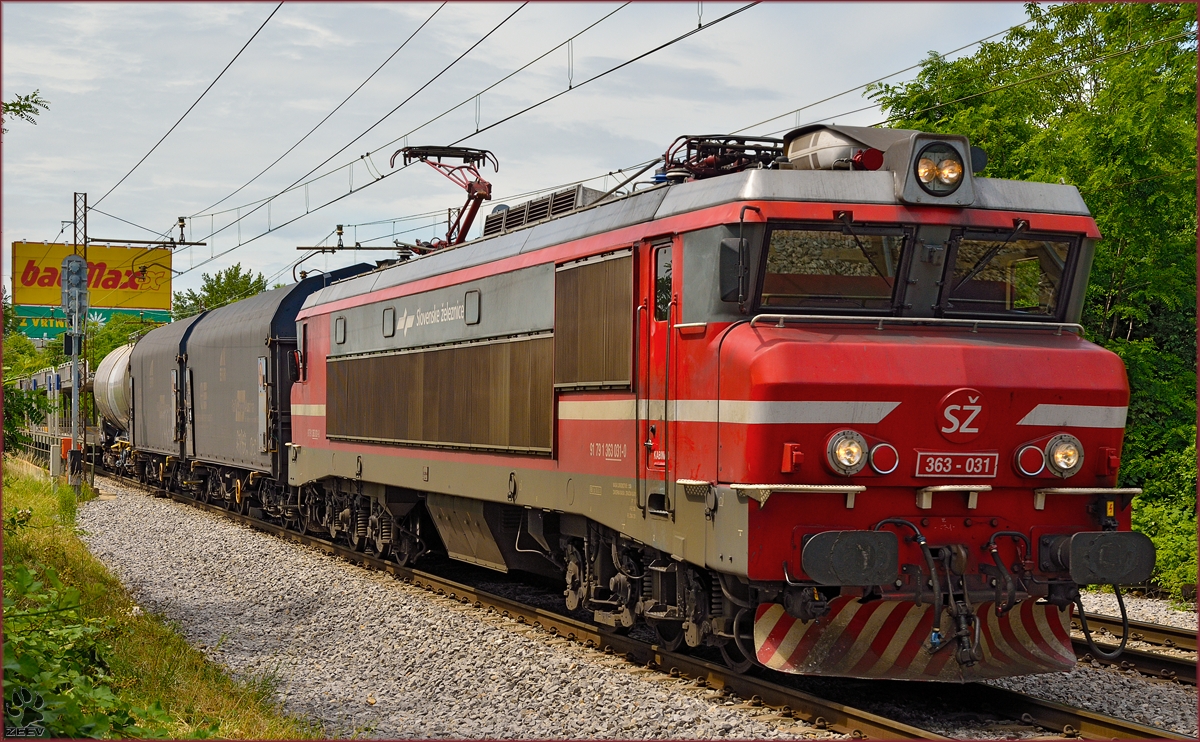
{"points": [[836, 186]]}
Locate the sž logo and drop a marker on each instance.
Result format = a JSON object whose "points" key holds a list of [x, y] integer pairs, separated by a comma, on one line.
{"points": [[962, 415]]}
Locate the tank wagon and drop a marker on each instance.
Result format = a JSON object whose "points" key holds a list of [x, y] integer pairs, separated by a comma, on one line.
{"points": [[821, 402]]}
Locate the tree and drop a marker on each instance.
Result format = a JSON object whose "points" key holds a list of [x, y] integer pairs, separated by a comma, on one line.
{"points": [[19, 405], [117, 331], [10, 313], [1103, 97], [23, 107], [225, 287]]}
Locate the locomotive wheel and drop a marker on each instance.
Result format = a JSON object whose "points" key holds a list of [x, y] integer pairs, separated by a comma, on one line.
{"points": [[670, 635], [731, 650], [304, 514], [734, 659], [358, 543], [382, 550], [402, 548]]}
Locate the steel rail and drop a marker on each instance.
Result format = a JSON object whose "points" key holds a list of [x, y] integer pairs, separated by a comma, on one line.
{"points": [[1069, 721], [1147, 662], [1151, 633], [1066, 720], [1158, 664]]}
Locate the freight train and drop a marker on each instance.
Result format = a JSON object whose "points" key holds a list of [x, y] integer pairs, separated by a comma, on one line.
{"points": [[820, 402]]}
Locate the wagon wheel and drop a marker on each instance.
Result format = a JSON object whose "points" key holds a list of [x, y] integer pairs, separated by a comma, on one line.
{"points": [[243, 507], [670, 634], [211, 489]]}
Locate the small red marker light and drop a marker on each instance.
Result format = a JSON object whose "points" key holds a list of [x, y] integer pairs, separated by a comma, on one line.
{"points": [[884, 458], [1031, 461], [868, 159]]}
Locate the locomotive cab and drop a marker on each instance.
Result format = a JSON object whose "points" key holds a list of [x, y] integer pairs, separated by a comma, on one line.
{"points": [[909, 411]]}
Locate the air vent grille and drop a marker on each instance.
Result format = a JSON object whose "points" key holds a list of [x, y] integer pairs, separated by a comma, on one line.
{"points": [[531, 212]]}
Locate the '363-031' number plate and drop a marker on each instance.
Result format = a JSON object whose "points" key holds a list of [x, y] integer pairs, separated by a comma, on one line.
{"points": [[934, 464]]}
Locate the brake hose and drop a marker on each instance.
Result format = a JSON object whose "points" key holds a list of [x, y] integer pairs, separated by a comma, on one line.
{"points": [[1087, 634], [1009, 583], [935, 638]]}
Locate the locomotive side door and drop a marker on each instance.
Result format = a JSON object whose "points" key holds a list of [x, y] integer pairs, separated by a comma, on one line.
{"points": [[657, 296]]}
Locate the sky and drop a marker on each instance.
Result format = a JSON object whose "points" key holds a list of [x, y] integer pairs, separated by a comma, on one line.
{"points": [[118, 76]]}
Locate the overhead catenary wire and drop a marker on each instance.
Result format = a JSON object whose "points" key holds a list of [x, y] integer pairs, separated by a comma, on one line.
{"points": [[332, 201], [791, 112], [610, 70], [475, 97], [299, 181], [744, 128], [189, 110], [327, 116], [880, 79], [875, 106], [126, 221]]}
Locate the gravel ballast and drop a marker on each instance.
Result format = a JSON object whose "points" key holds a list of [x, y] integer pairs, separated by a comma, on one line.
{"points": [[366, 654], [1150, 610], [363, 653]]}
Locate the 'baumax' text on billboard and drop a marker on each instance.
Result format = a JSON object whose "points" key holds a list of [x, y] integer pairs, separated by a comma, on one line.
{"points": [[118, 277]]}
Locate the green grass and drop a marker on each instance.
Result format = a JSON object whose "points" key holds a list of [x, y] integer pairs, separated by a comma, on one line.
{"points": [[148, 661]]}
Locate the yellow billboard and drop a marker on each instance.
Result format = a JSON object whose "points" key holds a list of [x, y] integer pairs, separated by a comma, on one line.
{"points": [[118, 277]]}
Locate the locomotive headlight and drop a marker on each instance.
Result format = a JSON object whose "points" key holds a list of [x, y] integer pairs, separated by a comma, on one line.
{"points": [[949, 172], [1064, 455], [847, 452], [927, 170], [939, 169]]}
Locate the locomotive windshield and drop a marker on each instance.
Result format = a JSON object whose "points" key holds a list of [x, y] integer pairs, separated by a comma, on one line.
{"points": [[862, 270], [831, 269], [994, 275]]}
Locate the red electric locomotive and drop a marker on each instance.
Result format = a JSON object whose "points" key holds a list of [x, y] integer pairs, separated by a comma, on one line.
{"points": [[821, 402]]}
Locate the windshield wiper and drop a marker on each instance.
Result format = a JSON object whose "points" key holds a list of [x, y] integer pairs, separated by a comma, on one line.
{"points": [[990, 255], [845, 217]]}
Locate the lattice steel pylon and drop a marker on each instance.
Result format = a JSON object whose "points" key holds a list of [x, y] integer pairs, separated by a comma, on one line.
{"points": [[78, 327], [81, 209]]}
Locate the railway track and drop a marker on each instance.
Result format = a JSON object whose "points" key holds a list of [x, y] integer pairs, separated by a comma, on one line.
{"points": [[1106, 633], [785, 702]]}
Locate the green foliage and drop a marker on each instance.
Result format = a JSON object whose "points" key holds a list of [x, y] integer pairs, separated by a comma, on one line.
{"points": [[1104, 97], [10, 315], [115, 333], [19, 405], [226, 287], [23, 107], [1166, 511], [21, 356], [55, 666], [147, 664]]}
